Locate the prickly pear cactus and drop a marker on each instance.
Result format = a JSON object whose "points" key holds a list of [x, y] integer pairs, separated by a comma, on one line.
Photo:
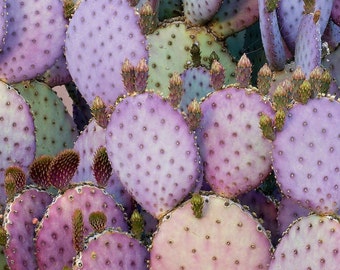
{"points": [[100, 36], [32, 27], [184, 241], [235, 155], [305, 156], [54, 245], [112, 249], [18, 140], [55, 129], [21, 218], [152, 151], [309, 243]]}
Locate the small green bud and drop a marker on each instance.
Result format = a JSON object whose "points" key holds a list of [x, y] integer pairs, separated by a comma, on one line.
{"points": [[137, 224], [267, 127], [280, 117], [98, 221], [282, 95], [326, 79], [3, 236], [141, 75], [213, 56], [197, 204], [271, 5], [304, 92]]}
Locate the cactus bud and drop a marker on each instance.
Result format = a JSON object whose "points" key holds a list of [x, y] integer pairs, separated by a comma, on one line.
{"points": [[78, 230], [217, 75], [128, 75], [197, 203], [194, 115], [98, 221], [148, 19], [175, 90], [315, 79], [264, 78], [14, 175], [195, 52], [267, 127], [304, 92], [282, 95], [137, 224], [101, 166], [141, 76], [99, 112], [38, 171], [280, 117], [243, 71]]}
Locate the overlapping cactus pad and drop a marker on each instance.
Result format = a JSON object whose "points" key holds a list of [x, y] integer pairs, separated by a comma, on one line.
{"points": [[112, 249], [152, 151], [235, 155], [305, 155], [225, 237], [310, 243], [54, 244]]}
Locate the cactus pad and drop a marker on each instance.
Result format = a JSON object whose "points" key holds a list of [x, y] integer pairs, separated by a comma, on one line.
{"points": [[235, 155], [305, 155], [202, 243], [54, 235], [19, 223], [310, 243], [112, 249], [33, 26], [100, 36], [152, 151]]}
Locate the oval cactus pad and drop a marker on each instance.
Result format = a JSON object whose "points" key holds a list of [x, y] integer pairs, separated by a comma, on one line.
{"points": [[54, 235], [225, 237], [310, 243], [152, 151], [235, 155], [112, 249], [101, 35], [306, 155]]}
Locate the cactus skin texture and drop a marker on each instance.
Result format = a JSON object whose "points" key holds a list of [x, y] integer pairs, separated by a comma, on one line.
{"points": [[206, 243]]}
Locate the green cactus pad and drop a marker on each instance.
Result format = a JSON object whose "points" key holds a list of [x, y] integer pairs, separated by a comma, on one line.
{"points": [[169, 49], [225, 237], [55, 129]]}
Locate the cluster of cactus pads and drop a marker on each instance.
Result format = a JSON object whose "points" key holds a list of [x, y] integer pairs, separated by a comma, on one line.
{"points": [[202, 135]]}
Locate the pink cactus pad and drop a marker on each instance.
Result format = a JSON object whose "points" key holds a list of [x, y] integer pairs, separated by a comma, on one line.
{"points": [[225, 237]]}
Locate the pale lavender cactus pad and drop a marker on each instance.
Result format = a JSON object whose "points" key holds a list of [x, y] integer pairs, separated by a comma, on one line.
{"points": [[153, 152], [201, 11], [17, 136], [310, 243], [226, 237], [308, 44], [100, 36], [88, 142], [306, 155], [54, 247], [33, 26], [235, 155], [290, 16], [272, 40], [20, 220], [3, 23], [112, 249]]}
